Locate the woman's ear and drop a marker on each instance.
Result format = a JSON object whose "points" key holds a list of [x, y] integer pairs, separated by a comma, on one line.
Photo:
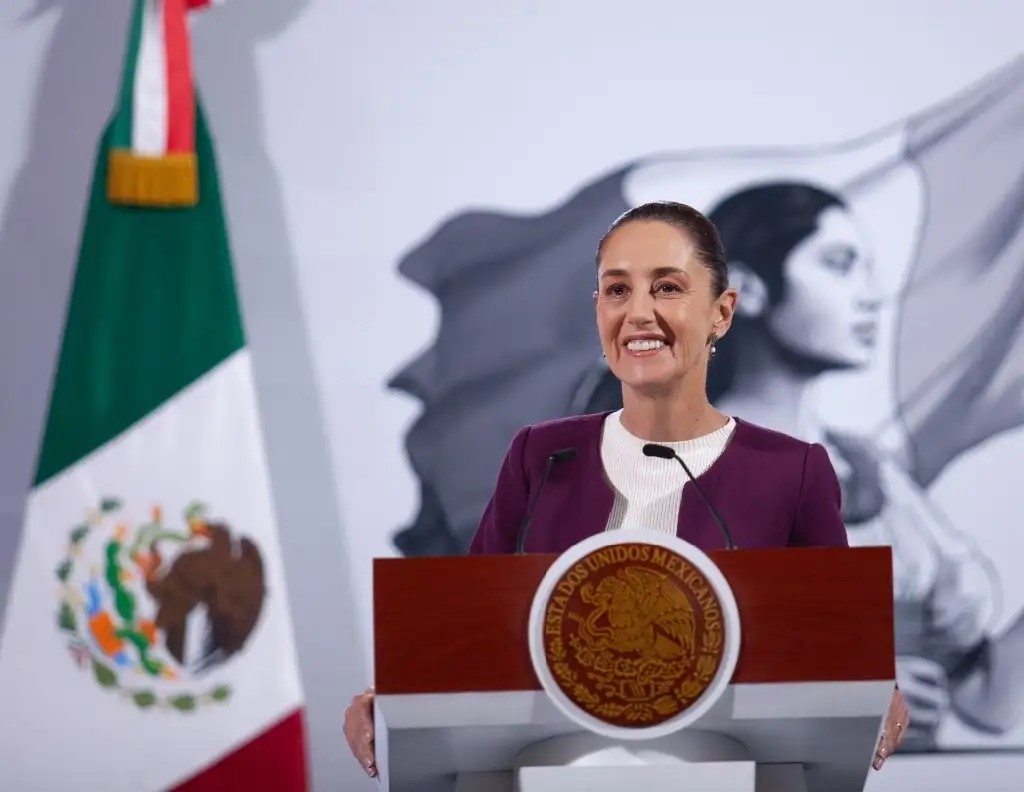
{"points": [[752, 293], [725, 308]]}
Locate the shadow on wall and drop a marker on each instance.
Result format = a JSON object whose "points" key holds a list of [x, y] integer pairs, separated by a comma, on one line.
{"points": [[38, 246], [226, 42], [40, 227]]}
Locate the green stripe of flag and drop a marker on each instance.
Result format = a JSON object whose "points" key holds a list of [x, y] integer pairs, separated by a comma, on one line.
{"points": [[152, 308]]}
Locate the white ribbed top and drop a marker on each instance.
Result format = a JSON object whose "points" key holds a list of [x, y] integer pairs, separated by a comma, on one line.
{"points": [[648, 490]]}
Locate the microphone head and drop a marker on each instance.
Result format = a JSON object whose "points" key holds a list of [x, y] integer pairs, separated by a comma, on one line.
{"points": [[564, 454], [655, 450]]}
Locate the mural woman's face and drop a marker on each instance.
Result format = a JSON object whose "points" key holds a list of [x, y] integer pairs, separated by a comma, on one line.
{"points": [[829, 311]]}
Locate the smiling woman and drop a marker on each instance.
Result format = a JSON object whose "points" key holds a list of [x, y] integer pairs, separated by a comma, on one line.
{"points": [[662, 304]]}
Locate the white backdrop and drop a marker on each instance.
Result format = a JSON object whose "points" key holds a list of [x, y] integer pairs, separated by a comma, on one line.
{"points": [[381, 119]]}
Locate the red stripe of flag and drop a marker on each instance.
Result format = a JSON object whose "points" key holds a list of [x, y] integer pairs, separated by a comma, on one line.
{"points": [[181, 121], [273, 760]]}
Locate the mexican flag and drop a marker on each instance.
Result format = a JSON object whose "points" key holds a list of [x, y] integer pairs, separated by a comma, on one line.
{"points": [[148, 643]]}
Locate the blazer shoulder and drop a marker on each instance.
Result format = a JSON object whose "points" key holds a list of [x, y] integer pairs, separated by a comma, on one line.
{"points": [[571, 423], [761, 438], [575, 431]]}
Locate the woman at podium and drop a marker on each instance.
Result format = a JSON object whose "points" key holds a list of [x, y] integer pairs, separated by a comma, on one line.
{"points": [[666, 461]]}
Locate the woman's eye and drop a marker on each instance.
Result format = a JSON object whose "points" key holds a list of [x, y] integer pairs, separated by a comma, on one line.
{"points": [[616, 290], [840, 259], [666, 288]]}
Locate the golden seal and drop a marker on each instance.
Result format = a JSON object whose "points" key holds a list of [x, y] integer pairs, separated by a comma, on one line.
{"points": [[633, 634]]}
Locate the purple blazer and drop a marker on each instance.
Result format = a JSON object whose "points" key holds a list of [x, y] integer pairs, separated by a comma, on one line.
{"points": [[771, 489]]}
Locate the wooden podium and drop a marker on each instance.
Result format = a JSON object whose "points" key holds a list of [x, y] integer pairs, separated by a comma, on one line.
{"points": [[458, 700]]}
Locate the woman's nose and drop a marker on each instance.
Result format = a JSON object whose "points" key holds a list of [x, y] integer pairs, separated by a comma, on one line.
{"points": [[640, 310], [869, 297], [869, 303]]}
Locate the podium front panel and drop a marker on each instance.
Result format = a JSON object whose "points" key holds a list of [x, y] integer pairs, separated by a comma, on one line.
{"points": [[459, 624]]}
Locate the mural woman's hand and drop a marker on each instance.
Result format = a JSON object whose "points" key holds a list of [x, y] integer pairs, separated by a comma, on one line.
{"points": [[925, 689]]}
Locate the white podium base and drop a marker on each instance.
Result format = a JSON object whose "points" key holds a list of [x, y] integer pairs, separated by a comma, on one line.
{"points": [[691, 760], [585, 749], [697, 777], [706, 777], [585, 762]]}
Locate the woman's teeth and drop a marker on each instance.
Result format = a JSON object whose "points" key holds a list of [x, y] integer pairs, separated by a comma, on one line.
{"points": [[644, 346]]}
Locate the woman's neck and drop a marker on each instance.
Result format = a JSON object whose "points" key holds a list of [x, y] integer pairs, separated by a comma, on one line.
{"points": [[768, 389], [669, 416]]}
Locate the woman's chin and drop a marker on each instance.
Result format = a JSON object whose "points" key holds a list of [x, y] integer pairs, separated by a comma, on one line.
{"points": [[849, 359], [652, 382], [821, 359]]}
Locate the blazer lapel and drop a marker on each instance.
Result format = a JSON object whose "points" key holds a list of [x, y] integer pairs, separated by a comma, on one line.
{"points": [[592, 490], [696, 525]]}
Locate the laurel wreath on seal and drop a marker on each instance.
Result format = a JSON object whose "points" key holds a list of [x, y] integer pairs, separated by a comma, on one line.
{"points": [[68, 623], [604, 667], [575, 689]]}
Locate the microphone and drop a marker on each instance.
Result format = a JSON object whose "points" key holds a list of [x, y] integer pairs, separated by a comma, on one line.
{"points": [[664, 452], [561, 455]]}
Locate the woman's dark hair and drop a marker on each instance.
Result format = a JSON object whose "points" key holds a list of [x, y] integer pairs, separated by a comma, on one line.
{"points": [[700, 230], [760, 226]]}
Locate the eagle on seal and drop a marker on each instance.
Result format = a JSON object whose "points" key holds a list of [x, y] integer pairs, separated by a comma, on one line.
{"points": [[639, 610]]}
